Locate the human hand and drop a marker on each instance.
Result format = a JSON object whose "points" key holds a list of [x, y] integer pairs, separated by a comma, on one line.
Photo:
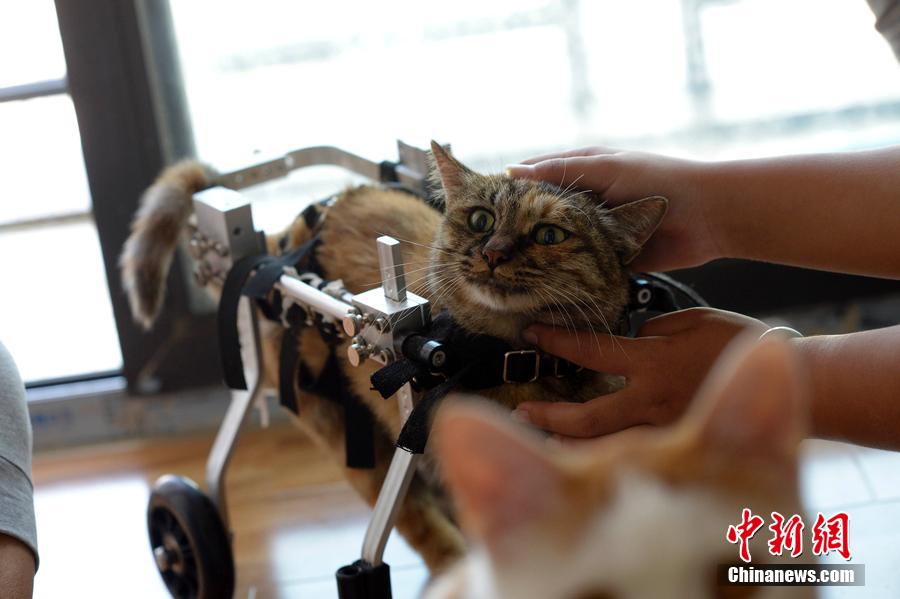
{"points": [[664, 366], [687, 235]]}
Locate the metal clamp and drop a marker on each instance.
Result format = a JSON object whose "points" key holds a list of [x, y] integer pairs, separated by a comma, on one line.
{"points": [[522, 352]]}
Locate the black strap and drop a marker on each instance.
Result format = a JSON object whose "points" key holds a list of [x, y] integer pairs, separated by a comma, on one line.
{"points": [[289, 359], [387, 172], [359, 423], [226, 320], [268, 270], [414, 434]]}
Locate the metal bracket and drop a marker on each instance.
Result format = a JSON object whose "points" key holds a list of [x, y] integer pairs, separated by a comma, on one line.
{"points": [[411, 170]]}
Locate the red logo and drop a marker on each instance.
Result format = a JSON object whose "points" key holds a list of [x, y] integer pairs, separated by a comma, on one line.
{"points": [[743, 532], [786, 535], [831, 535], [828, 535]]}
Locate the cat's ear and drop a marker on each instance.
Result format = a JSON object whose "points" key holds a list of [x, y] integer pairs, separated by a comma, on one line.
{"points": [[449, 171], [635, 222], [754, 402], [500, 478]]}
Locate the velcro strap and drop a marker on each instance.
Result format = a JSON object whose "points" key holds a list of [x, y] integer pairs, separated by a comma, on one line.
{"points": [[268, 270], [226, 320]]}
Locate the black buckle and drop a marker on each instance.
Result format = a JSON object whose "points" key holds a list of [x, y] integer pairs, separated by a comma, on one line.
{"points": [[517, 363]]}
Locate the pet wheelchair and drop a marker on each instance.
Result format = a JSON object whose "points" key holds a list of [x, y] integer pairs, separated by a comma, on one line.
{"points": [[189, 528]]}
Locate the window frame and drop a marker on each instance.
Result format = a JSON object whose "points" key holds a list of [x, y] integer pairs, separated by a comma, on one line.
{"points": [[124, 81]]}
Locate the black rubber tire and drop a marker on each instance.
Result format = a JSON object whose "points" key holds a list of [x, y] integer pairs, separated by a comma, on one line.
{"points": [[183, 520]]}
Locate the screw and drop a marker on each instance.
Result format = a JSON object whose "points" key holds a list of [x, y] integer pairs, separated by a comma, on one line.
{"points": [[382, 324], [386, 356]]}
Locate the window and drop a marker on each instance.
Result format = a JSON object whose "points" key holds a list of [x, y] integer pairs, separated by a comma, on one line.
{"points": [[502, 80], [56, 318]]}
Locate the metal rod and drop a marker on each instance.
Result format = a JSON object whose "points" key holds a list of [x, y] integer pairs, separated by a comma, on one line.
{"points": [[387, 506], [312, 297]]}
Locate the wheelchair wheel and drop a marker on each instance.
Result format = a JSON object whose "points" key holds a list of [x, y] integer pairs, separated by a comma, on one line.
{"points": [[189, 541]]}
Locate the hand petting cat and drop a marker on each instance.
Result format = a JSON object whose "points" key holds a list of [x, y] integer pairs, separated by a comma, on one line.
{"points": [[838, 212]]}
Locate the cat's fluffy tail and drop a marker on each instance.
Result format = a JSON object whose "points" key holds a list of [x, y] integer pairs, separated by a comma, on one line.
{"points": [[155, 231]]}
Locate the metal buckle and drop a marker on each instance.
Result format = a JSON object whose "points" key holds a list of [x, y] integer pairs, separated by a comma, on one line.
{"points": [[522, 352]]}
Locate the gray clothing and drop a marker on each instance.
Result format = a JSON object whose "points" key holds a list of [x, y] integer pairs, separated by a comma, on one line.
{"points": [[887, 21], [16, 492]]}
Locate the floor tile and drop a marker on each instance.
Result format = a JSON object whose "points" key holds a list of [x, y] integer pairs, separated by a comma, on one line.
{"points": [[881, 470], [830, 476]]}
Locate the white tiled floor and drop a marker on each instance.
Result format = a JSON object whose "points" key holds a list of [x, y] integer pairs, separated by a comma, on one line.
{"points": [[865, 483]]}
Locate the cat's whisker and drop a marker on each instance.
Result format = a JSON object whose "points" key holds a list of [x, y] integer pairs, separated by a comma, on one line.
{"points": [[442, 282], [447, 289], [587, 319], [549, 308], [570, 185], [576, 294], [600, 314], [424, 245], [563, 312], [430, 266]]}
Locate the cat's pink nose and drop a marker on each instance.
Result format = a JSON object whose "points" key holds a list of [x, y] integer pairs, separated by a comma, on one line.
{"points": [[496, 251]]}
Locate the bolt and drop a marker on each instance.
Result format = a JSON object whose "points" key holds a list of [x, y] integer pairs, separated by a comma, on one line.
{"points": [[352, 323], [386, 356], [438, 358], [358, 351], [382, 324]]}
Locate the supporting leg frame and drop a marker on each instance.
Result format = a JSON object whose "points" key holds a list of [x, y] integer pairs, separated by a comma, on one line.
{"points": [[369, 577], [241, 401]]}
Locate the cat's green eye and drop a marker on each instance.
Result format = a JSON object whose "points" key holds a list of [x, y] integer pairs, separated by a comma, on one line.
{"points": [[481, 220], [549, 235]]}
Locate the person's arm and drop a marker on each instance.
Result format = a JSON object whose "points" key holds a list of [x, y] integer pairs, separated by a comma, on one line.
{"points": [[830, 211], [855, 379], [16, 568], [856, 386]]}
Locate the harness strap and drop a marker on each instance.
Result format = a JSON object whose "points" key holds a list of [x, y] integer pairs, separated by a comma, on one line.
{"points": [[239, 282], [289, 359], [226, 320]]}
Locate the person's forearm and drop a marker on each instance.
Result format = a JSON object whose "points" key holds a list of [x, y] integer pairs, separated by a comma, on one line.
{"points": [[855, 386], [16, 568], [831, 211]]}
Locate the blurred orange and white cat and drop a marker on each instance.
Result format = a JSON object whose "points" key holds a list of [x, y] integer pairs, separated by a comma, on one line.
{"points": [[639, 514]]}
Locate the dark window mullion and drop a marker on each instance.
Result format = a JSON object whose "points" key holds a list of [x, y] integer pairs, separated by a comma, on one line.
{"points": [[124, 148]]}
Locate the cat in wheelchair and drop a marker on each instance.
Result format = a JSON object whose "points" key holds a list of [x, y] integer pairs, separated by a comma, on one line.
{"points": [[503, 254]]}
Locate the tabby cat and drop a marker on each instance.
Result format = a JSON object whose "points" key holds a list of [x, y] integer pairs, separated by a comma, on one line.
{"points": [[504, 254], [639, 514]]}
